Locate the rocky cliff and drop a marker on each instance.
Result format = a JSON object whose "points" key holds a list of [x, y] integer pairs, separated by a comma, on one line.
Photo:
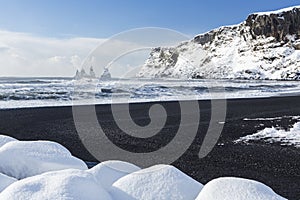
{"points": [[264, 46]]}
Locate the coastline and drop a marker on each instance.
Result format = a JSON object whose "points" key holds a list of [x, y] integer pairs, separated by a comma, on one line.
{"points": [[275, 165]]}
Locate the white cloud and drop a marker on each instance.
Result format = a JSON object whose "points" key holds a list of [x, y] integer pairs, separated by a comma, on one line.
{"points": [[24, 54], [76, 61]]}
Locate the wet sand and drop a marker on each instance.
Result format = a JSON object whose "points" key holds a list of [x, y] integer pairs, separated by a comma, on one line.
{"points": [[275, 165]]}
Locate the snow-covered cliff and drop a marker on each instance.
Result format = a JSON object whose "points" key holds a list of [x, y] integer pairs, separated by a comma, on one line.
{"points": [[265, 46]]}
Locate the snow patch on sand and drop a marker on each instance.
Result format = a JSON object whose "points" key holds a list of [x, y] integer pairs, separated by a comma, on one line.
{"points": [[273, 135], [271, 118]]}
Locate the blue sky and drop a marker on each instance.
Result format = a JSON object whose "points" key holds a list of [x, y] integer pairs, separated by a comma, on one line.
{"points": [[99, 18]]}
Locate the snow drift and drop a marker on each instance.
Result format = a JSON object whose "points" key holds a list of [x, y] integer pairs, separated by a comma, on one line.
{"points": [[60, 185], [6, 139], [106, 173], [157, 182], [5, 181], [21, 159], [237, 189]]}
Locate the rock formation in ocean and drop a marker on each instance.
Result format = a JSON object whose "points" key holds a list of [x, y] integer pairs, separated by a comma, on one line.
{"points": [[82, 74]]}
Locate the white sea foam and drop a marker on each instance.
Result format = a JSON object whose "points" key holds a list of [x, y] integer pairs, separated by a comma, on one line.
{"points": [[41, 92]]}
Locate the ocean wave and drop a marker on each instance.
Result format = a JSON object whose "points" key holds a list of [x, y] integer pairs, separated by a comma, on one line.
{"points": [[58, 91]]}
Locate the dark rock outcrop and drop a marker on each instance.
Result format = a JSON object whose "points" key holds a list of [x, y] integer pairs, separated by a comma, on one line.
{"points": [[277, 25], [205, 38]]}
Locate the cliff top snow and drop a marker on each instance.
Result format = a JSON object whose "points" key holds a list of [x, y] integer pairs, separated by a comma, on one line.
{"points": [[277, 11]]}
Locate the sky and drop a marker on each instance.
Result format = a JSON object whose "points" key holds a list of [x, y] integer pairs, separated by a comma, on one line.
{"points": [[52, 37]]}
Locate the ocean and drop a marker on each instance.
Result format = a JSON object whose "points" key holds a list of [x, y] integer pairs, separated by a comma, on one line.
{"points": [[55, 91]]}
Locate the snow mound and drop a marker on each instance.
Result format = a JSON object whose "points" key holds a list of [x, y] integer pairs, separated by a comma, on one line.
{"points": [[108, 172], [6, 139], [273, 135], [157, 182], [5, 181], [35, 157], [69, 184], [48, 171], [236, 189]]}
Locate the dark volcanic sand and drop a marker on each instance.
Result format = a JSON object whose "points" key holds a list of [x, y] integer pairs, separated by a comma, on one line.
{"points": [[275, 165]]}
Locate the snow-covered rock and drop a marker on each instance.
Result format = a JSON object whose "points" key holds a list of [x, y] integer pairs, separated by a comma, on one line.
{"points": [[264, 46], [157, 182], [21, 159], [237, 189], [59, 185], [5, 181], [6, 139], [48, 171], [106, 173]]}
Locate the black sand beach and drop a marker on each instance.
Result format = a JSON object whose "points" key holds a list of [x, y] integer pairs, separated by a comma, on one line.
{"points": [[275, 165]]}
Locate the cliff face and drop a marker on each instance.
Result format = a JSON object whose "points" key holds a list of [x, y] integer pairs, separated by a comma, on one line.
{"points": [[277, 25], [265, 46]]}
